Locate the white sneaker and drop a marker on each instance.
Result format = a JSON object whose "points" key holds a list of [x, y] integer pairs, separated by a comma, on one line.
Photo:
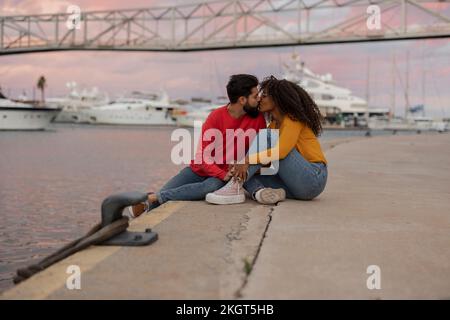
{"points": [[270, 196], [230, 193], [136, 210]]}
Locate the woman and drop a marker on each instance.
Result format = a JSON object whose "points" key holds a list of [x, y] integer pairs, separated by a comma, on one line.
{"points": [[302, 167]]}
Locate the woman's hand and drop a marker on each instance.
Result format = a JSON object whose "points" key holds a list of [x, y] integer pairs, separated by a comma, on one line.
{"points": [[240, 171]]}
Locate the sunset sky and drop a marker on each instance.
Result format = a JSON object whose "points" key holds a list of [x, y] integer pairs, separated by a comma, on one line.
{"points": [[184, 75]]}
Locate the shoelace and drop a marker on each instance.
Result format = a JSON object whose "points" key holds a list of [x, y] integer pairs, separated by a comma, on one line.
{"points": [[231, 183]]}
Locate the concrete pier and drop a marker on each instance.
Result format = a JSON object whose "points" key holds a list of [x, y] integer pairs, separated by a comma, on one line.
{"points": [[387, 204]]}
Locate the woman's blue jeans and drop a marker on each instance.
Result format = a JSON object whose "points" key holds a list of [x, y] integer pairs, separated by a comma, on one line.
{"points": [[301, 179]]}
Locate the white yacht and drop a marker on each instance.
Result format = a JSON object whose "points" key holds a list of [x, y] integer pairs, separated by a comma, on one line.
{"points": [[137, 109], [21, 116], [189, 118], [197, 111], [410, 123], [332, 100], [75, 103]]}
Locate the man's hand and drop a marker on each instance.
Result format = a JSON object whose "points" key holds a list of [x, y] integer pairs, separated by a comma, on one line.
{"points": [[228, 176], [240, 171]]}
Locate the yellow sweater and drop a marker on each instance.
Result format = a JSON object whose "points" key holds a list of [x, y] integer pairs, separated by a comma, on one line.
{"points": [[292, 134]]}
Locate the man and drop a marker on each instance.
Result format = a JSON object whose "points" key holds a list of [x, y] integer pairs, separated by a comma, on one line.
{"points": [[205, 175]]}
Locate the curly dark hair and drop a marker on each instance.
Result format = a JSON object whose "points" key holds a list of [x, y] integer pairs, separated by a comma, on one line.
{"points": [[293, 101]]}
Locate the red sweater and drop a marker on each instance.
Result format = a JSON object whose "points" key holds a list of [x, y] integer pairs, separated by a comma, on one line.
{"points": [[221, 120]]}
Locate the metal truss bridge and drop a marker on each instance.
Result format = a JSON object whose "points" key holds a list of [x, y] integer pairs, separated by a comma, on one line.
{"points": [[213, 25]]}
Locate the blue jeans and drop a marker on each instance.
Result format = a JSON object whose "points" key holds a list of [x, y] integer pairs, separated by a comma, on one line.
{"points": [[301, 179], [187, 185]]}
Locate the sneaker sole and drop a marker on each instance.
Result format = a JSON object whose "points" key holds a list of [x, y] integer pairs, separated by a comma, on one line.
{"points": [[215, 199], [272, 196]]}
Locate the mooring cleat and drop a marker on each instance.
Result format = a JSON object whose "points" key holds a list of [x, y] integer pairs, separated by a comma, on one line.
{"points": [[112, 209], [131, 239]]}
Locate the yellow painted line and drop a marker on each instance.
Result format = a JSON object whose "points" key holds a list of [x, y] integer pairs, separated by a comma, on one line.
{"points": [[44, 283], [156, 216]]}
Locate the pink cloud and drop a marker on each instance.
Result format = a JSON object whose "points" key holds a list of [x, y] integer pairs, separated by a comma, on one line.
{"points": [[12, 7], [444, 71], [438, 6], [200, 73]]}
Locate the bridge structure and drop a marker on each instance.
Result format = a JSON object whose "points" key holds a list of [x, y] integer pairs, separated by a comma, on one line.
{"points": [[219, 24]]}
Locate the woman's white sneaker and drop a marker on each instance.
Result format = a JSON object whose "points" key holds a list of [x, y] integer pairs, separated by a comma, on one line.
{"points": [[270, 196], [231, 193]]}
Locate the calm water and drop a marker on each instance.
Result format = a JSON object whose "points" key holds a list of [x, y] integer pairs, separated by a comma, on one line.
{"points": [[52, 182]]}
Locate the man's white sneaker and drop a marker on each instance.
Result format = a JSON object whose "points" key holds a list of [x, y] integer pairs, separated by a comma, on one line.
{"points": [[231, 193], [136, 210], [270, 196]]}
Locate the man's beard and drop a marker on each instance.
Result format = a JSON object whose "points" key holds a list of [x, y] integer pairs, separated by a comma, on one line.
{"points": [[253, 112]]}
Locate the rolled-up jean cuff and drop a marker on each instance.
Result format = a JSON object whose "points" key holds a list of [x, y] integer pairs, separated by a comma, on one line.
{"points": [[159, 197], [254, 192]]}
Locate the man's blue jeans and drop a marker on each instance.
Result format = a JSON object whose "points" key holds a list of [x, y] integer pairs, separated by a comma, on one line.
{"points": [[187, 185]]}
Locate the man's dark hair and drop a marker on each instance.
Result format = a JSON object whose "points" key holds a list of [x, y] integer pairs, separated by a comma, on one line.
{"points": [[240, 85]]}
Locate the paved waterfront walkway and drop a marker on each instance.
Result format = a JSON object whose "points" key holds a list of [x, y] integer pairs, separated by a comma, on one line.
{"points": [[387, 203]]}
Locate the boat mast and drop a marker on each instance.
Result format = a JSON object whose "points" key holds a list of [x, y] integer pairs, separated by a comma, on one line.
{"points": [[366, 115], [407, 85], [393, 87], [423, 84], [368, 82]]}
